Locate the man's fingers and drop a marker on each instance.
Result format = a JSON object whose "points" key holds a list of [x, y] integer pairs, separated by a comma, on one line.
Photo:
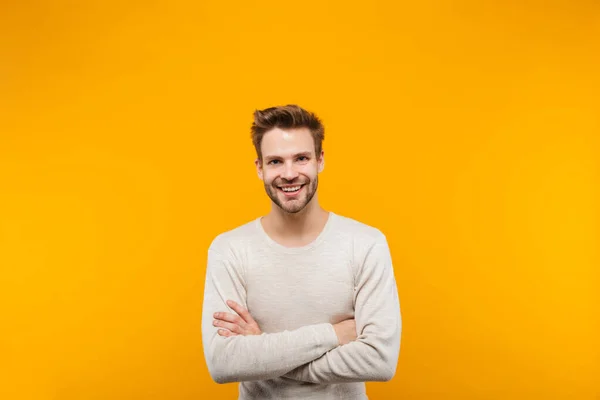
{"points": [[226, 333], [227, 325], [229, 317], [242, 312], [241, 323]]}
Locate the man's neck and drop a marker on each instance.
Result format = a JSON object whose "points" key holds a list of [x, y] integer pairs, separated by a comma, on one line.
{"points": [[308, 222]]}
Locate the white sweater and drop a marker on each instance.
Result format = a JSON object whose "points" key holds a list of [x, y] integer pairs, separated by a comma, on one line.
{"points": [[295, 295]]}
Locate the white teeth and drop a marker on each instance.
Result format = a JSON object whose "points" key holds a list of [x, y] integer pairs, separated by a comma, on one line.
{"points": [[291, 189]]}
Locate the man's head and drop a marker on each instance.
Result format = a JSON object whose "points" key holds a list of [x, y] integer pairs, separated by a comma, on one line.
{"points": [[288, 142]]}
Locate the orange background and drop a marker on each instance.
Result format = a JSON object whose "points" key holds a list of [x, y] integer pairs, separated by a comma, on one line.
{"points": [[468, 132]]}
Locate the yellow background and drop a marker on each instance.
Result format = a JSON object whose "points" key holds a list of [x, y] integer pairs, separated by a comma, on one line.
{"points": [[468, 132]]}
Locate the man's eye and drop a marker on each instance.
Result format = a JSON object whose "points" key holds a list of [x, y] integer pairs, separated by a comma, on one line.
{"points": [[273, 161], [302, 158]]}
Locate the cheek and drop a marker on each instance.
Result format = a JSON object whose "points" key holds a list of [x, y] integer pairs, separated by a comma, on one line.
{"points": [[311, 171], [268, 178]]}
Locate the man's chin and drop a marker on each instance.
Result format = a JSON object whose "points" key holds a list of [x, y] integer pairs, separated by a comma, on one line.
{"points": [[291, 210]]}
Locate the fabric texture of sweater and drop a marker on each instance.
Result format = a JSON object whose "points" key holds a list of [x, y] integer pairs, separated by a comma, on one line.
{"points": [[296, 295]]}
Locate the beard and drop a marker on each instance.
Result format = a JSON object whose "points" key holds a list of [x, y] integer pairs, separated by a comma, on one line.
{"points": [[293, 205]]}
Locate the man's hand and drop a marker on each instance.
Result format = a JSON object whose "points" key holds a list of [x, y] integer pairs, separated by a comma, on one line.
{"points": [[346, 331], [241, 324]]}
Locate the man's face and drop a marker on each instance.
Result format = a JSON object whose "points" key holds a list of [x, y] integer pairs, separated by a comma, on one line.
{"points": [[289, 168]]}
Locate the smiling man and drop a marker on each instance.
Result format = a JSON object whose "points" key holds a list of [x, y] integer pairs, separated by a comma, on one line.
{"points": [[300, 303]]}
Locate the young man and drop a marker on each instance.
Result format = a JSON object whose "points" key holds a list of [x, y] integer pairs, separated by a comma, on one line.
{"points": [[301, 303]]}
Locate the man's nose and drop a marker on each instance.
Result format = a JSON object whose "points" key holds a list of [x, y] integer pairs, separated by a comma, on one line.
{"points": [[289, 172]]}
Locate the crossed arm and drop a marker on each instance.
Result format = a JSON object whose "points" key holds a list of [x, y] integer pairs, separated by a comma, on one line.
{"points": [[311, 353]]}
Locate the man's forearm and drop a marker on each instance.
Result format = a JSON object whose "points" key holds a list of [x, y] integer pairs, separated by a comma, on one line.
{"points": [[267, 356], [358, 361]]}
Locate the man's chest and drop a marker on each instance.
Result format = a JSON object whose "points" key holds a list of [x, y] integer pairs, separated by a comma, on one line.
{"points": [[288, 292]]}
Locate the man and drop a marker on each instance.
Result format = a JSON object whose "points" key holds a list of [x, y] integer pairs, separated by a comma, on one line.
{"points": [[301, 303]]}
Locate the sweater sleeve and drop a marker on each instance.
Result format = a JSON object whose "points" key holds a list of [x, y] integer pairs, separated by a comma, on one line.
{"points": [[373, 356], [257, 357]]}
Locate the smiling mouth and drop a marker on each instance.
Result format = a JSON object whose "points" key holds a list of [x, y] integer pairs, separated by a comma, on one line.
{"points": [[290, 190]]}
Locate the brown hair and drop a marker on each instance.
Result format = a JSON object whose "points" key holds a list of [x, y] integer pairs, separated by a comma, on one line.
{"points": [[286, 117]]}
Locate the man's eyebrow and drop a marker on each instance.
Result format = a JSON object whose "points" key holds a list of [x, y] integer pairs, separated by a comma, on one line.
{"points": [[303, 153]]}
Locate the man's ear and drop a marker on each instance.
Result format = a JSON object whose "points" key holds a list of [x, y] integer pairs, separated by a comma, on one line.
{"points": [[322, 161], [259, 169]]}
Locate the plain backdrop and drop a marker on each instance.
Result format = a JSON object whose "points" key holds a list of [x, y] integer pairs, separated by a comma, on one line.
{"points": [[467, 131]]}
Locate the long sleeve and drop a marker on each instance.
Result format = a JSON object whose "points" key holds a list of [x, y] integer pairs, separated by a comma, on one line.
{"points": [[373, 356], [247, 358]]}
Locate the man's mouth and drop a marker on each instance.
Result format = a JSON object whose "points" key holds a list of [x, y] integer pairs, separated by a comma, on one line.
{"points": [[290, 190]]}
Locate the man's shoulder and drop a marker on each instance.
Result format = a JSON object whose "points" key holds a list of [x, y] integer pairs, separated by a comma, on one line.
{"points": [[358, 230], [234, 237]]}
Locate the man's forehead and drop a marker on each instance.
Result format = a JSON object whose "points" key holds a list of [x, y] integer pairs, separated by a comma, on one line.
{"points": [[292, 135], [287, 142]]}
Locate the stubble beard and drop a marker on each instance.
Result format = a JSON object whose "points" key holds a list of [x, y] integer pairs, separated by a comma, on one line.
{"points": [[293, 206]]}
